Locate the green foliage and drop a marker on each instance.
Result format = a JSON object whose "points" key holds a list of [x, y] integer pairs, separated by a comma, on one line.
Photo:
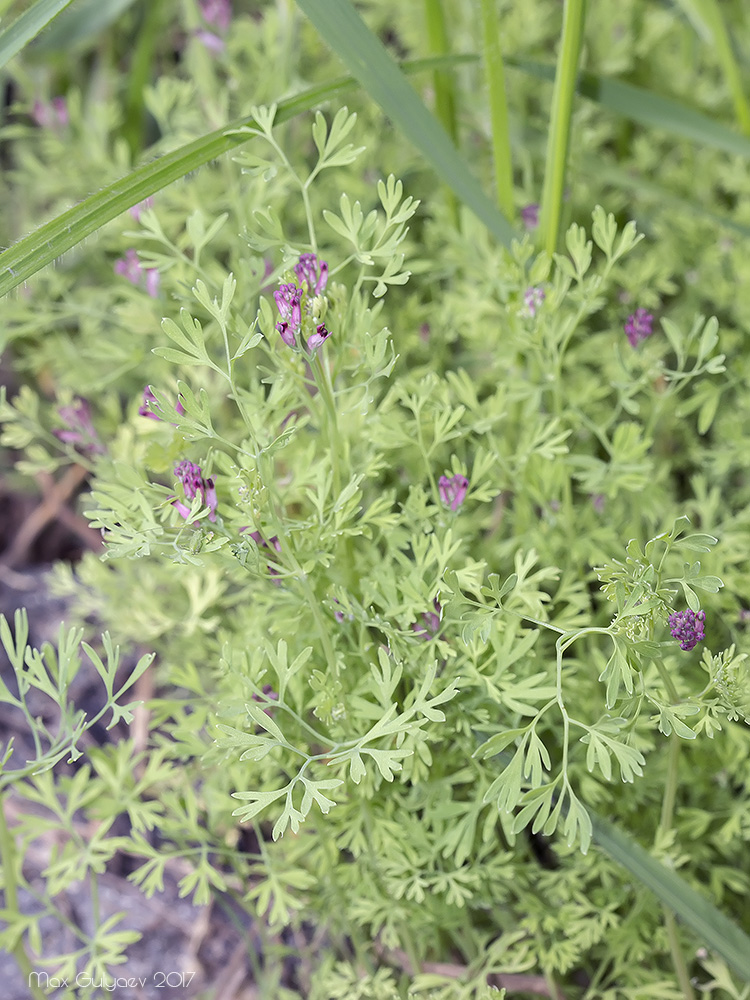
{"points": [[376, 715]]}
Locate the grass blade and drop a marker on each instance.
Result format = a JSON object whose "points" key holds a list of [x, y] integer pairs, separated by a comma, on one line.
{"points": [[445, 91], [559, 129], [646, 108], [86, 20], [49, 241], [495, 71], [139, 75], [712, 927], [650, 191], [443, 85], [28, 26], [707, 13], [343, 29]]}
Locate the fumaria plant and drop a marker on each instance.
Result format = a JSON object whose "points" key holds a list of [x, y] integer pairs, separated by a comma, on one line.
{"points": [[425, 511]]}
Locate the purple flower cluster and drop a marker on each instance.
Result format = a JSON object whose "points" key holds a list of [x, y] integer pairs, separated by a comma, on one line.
{"points": [[193, 484], [533, 297], [150, 407], [130, 267], [638, 326], [313, 271], [429, 626], [530, 216], [687, 626], [217, 13], [293, 301], [339, 615], [453, 491], [289, 303], [268, 695], [79, 429], [135, 210], [272, 543], [52, 115]]}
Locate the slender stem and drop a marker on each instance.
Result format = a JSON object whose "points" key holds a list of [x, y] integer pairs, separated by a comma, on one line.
{"points": [[322, 375], [141, 67], [668, 682], [559, 130], [495, 72], [445, 93], [678, 959], [426, 455], [312, 602], [309, 217], [711, 11], [670, 786], [8, 865], [665, 823], [443, 85]]}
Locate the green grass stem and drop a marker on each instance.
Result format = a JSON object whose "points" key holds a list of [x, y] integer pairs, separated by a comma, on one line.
{"points": [[443, 83], [141, 68], [342, 28], [559, 130], [711, 19], [49, 241], [442, 80], [646, 108], [495, 72], [27, 26]]}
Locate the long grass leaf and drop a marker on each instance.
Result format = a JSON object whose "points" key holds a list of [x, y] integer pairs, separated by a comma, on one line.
{"points": [[708, 15], [559, 127], [49, 241], [712, 927], [27, 26], [442, 81], [495, 72], [654, 192], [443, 84], [139, 75], [343, 29], [86, 20], [646, 108]]}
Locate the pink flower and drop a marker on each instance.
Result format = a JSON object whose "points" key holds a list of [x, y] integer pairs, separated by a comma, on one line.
{"points": [[533, 297], [687, 626], [79, 429], [211, 41], [429, 626], [217, 13], [135, 210], [312, 270], [150, 408], [638, 326], [320, 336], [193, 485], [530, 216], [131, 268], [453, 490], [51, 115]]}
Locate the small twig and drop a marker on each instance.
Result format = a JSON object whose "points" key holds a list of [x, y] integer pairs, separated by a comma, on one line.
{"points": [[200, 931], [230, 980], [511, 981], [55, 495], [139, 727], [81, 528]]}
